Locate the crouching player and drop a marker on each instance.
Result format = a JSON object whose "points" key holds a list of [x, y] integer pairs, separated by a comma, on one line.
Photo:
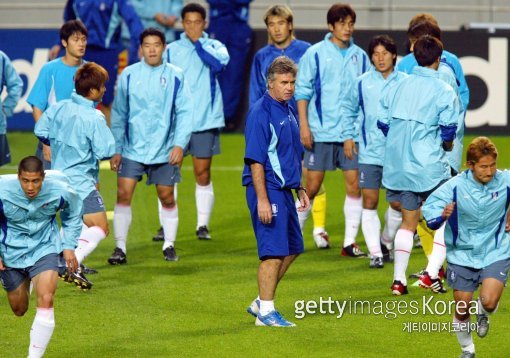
{"points": [[474, 205], [31, 242]]}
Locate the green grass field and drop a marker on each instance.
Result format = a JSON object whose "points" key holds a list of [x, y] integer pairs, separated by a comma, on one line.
{"points": [[196, 306]]}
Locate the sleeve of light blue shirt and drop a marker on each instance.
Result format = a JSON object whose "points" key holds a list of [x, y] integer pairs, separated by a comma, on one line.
{"points": [[120, 113], [350, 108], [184, 115], [14, 86], [175, 8], [71, 219], [38, 96], [101, 139], [305, 77], [257, 81], [434, 205], [448, 109], [257, 138], [42, 126], [213, 53], [145, 9]]}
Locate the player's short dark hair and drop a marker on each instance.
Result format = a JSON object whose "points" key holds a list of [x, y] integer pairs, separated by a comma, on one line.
{"points": [[31, 164], [339, 12], [72, 27], [480, 147], [427, 50], [385, 41], [193, 7], [152, 31], [423, 28], [90, 75], [280, 66]]}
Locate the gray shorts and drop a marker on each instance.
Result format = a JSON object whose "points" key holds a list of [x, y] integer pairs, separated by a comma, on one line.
{"points": [[12, 278], [329, 156], [370, 176], [39, 154], [93, 203], [467, 279], [204, 144], [409, 200], [5, 153], [158, 174]]}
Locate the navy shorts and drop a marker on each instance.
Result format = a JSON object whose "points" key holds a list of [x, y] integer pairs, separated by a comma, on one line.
{"points": [[370, 176], [158, 174], [12, 278], [204, 144], [109, 59], [5, 153], [467, 279], [39, 154], [93, 203], [283, 236], [409, 200], [329, 156]]}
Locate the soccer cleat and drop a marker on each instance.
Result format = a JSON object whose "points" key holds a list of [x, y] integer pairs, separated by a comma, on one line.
{"points": [[273, 319], [434, 284], [398, 289], [466, 354], [203, 233], [321, 240], [376, 262], [80, 280], [169, 254], [118, 257], [63, 274], [160, 235], [482, 325], [254, 308], [387, 254], [353, 250], [417, 274], [87, 270]]}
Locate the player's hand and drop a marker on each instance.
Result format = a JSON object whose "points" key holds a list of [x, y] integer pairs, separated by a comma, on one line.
{"points": [[2, 267], [115, 162], [53, 53], [448, 210], [350, 149], [304, 201], [71, 261], [167, 21], [264, 211], [306, 137], [175, 156], [46, 152]]}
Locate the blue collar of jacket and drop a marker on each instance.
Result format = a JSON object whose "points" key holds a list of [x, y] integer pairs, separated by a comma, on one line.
{"points": [[79, 99], [283, 105]]}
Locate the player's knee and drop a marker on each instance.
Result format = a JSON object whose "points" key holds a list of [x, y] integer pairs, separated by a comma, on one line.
{"points": [[203, 178], [489, 303], [168, 202], [123, 197], [45, 300], [370, 203], [105, 228], [20, 310]]}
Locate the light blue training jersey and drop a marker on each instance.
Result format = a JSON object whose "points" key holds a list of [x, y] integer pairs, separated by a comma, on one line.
{"points": [[202, 62], [14, 85], [152, 112], [79, 137], [475, 233], [325, 76], [29, 228], [363, 98], [421, 112]]}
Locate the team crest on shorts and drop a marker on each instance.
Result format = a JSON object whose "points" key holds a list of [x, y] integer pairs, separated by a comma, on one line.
{"points": [[452, 275], [274, 209], [311, 160], [362, 177]]}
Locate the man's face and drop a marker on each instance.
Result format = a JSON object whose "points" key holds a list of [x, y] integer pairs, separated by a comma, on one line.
{"points": [[31, 183], [282, 87], [383, 59], [75, 45], [279, 30], [342, 31], [194, 24], [484, 169], [152, 50]]}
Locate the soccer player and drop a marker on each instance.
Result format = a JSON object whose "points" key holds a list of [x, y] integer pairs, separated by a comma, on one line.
{"points": [[202, 59], [151, 121], [272, 169], [31, 243], [56, 78], [364, 97], [419, 118], [326, 71], [474, 206], [79, 137], [14, 85]]}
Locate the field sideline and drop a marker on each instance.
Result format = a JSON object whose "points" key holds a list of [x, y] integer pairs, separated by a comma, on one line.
{"points": [[196, 306]]}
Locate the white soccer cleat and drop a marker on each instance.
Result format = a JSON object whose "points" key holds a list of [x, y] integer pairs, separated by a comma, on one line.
{"points": [[321, 240]]}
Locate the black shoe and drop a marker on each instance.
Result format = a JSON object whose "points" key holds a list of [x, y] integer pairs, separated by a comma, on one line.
{"points": [[87, 270], [118, 257], [80, 280], [170, 254], [160, 236], [203, 233], [387, 254], [63, 274]]}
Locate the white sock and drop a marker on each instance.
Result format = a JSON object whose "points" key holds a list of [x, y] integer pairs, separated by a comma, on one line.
{"points": [[403, 247], [392, 221], [170, 222], [266, 307], [303, 215], [204, 198], [41, 332], [371, 227], [317, 230], [121, 221], [464, 334], [88, 241], [438, 255], [352, 214]]}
